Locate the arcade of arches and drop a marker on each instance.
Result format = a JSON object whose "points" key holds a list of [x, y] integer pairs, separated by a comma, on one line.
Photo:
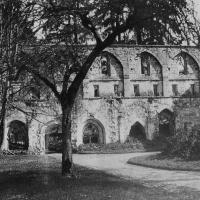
{"points": [[136, 91]]}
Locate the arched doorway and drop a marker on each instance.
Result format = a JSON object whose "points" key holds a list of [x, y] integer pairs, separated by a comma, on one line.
{"points": [[53, 138], [166, 123], [93, 132], [18, 136], [137, 131]]}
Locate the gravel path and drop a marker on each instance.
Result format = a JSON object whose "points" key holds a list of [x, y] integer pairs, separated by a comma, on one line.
{"points": [[116, 164]]}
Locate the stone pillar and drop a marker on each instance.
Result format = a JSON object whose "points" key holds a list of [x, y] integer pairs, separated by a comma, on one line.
{"points": [[5, 138], [119, 126], [127, 86], [166, 83]]}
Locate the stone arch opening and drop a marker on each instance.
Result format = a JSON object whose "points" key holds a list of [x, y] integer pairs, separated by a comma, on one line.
{"points": [[187, 64], [93, 132], [106, 72], [137, 131], [151, 67], [188, 67], [116, 73], [166, 123], [53, 138], [18, 136]]}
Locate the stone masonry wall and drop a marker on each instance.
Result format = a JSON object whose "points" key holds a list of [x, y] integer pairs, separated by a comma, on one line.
{"points": [[117, 113]]}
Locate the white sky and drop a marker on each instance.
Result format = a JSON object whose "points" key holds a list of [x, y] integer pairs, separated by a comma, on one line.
{"points": [[197, 7]]}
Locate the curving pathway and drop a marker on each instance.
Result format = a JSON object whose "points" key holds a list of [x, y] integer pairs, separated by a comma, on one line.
{"points": [[115, 164]]}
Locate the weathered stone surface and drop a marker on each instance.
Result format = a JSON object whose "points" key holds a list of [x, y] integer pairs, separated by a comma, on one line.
{"points": [[116, 106]]}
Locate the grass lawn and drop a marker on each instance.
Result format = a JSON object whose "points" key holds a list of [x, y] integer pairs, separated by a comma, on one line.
{"points": [[38, 178], [163, 162]]}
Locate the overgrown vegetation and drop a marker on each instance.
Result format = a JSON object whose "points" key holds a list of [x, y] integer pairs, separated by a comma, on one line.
{"points": [[131, 145], [179, 152], [111, 148], [184, 144]]}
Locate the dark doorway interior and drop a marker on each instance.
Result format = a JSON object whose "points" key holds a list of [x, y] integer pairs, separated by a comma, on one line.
{"points": [[53, 138], [137, 131], [166, 123], [93, 132], [18, 136]]}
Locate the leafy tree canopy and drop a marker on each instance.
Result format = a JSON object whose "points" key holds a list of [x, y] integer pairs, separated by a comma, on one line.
{"points": [[147, 21]]}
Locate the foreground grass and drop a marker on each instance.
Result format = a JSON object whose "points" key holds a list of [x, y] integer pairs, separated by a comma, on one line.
{"points": [[38, 178], [165, 162]]}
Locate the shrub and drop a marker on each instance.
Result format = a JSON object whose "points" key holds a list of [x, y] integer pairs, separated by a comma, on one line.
{"points": [[184, 144], [115, 147]]}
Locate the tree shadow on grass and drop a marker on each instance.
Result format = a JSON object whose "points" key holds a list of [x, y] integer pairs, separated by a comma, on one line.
{"points": [[45, 182]]}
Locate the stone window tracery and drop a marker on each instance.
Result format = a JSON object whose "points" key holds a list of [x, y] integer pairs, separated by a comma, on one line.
{"points": [[96, 90], [183, 64], [186, 64], [105, 65], [116, 90], [91, 134], [136, 90], [155, 90], [145, 64], [175, 90]]}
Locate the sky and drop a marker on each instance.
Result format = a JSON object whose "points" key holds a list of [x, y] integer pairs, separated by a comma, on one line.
{"points": [[197, 7]]}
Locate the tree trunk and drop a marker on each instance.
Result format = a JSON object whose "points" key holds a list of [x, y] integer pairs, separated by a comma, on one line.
{"points": [[66, 140], [3, 114]]}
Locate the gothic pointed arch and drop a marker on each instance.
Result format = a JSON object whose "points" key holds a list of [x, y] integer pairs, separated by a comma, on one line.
{"points": [[137, 131], [187, 68], [151, 69], [18, 135], [53, 137], [106, 72], [93, 132], [186, 64], [166, 123]]}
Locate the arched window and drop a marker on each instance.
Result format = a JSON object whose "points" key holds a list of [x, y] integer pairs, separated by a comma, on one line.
{"points": [[148, 62], [107, 72], [105, 64], [186, 64], [18, 136], [93, 132], [53, 137], [145, 64], [151, 69]]}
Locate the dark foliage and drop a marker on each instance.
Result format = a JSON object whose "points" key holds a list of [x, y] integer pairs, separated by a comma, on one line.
{"points": [[184, 144]]}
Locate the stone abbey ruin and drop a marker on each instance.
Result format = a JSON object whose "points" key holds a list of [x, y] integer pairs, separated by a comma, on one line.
{"points": [[136, 91]]}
